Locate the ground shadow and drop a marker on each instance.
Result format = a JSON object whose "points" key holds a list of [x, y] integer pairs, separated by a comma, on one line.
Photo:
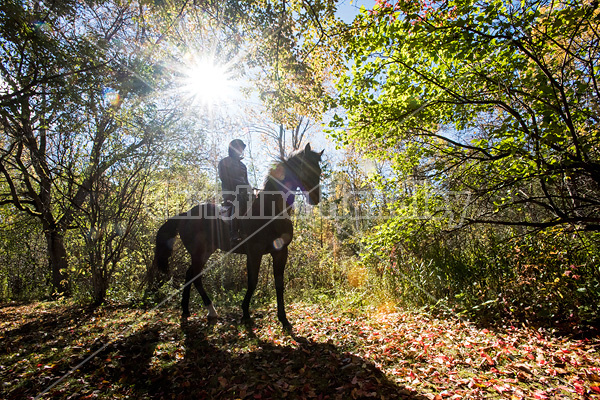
{"points": [[196, 360], [36, 342], [45, 329], [210, 369]]}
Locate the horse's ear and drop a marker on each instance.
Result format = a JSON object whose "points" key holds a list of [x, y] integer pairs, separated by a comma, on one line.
{"points": [[321, 153], [307, 148], [278, 172]]}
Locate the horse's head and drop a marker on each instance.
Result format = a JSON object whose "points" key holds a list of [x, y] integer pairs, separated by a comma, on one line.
{"points": [[306, 168]]}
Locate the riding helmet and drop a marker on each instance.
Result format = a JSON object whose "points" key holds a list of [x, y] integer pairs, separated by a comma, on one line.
{"points": [[236, 147]]}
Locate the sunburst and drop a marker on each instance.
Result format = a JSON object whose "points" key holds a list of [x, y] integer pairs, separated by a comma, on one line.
{"points": [[207, 82]]}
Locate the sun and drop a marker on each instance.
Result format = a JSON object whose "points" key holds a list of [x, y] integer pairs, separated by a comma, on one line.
{"points": [[208, 82]]}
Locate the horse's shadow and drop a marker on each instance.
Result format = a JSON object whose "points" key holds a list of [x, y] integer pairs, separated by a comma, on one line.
{"points": [[235, 363]]}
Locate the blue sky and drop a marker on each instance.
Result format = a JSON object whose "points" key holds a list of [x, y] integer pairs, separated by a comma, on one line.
{"points": [[348, 9]]}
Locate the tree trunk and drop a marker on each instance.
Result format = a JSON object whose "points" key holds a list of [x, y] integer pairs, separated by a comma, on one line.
{"points": [[100, 273], [99, 287], [57, 256]]}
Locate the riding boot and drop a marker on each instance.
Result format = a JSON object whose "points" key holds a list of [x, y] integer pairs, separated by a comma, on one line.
{"points": [[234, 236]]}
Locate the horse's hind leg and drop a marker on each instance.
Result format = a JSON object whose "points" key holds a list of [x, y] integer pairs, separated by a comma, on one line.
{"points": [[185, 298], [194, 275], [253, 267], [212, 313]]}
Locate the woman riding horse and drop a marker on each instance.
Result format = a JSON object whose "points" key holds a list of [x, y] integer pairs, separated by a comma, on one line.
{"points": [[267, 224]]}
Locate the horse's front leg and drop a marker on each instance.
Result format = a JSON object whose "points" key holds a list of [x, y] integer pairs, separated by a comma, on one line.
{"points": [[253, 267], [279, 261]]}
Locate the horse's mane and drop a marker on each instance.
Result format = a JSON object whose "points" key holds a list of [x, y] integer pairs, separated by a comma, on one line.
{"points": [[290, 163]]}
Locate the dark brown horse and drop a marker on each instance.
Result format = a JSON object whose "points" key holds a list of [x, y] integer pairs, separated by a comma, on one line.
{"points": [[267, 225]]}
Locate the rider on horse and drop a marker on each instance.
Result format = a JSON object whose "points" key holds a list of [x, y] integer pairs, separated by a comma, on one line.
{"points": [[201, 236], [235, 185]]}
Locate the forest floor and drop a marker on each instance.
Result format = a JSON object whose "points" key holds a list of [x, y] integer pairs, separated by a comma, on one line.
{"points": [[58, 350]]}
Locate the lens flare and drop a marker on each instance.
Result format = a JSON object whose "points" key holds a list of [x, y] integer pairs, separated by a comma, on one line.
{"points": [[208, 82], [278, 243], [112, 97]]}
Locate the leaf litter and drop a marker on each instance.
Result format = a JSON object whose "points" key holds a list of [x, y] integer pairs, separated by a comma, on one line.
{"points": [[332, 354]]}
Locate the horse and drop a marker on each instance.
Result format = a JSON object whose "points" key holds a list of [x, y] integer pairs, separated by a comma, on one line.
{"points": [[267, 224]]}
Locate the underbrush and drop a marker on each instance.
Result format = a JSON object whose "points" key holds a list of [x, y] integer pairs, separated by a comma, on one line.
{"points": [[550, 278], [493, 276]]}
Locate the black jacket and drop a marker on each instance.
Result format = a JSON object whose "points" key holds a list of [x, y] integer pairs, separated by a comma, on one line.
{"points": [[233, 173]]}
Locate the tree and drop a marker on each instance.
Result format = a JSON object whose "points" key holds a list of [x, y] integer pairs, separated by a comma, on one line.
{"points": [[293, 61], [286, 140], [64, 91], [111, 214], [498, 99], [35, 71], [86, 88]]}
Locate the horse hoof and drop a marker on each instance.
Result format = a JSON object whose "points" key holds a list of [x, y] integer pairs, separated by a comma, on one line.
{"points": [[288, 328]]}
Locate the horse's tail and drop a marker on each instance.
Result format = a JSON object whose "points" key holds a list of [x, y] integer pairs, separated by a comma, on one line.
{"points": [[165, 237]]}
